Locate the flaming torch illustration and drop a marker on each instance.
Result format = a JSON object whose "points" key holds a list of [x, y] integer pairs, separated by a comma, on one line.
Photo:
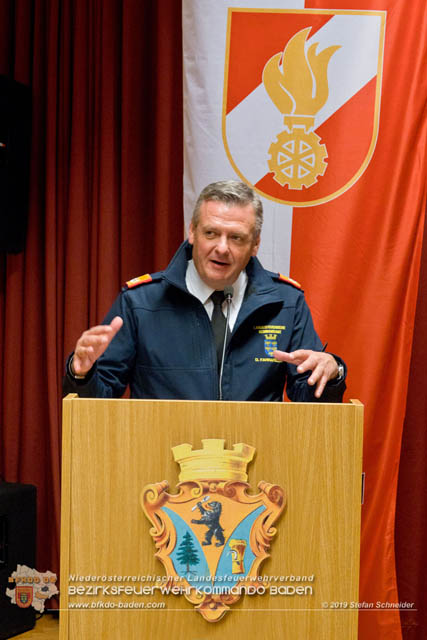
{"points": [[299, 88], [237, 555]]}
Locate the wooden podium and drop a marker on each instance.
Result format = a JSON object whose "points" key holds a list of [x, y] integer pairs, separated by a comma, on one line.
{"points": [[112, 449]]}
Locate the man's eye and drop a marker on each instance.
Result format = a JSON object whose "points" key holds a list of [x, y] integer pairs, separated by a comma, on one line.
{"points": [[209, 234], [237, 238]]}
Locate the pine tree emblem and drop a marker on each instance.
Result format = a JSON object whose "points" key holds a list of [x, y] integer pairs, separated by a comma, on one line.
{"points": [[187, 554]]}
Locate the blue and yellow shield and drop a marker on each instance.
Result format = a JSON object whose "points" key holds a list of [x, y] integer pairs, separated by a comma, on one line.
{"points": [[212, 536]]}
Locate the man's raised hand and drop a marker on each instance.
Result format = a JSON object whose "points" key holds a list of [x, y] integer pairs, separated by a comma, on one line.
{"points": [[92, 344], [323, 366]]}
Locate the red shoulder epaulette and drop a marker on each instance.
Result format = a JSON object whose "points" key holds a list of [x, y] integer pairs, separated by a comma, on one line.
{"points": [[294, 283], [135, 282]]}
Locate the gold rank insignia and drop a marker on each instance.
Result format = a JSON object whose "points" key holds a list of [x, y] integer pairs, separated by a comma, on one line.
{"points": [[294, 283], [139, 280]]}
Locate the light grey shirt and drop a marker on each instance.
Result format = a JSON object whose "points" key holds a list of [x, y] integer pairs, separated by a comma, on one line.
{"points": [[202, 292]]}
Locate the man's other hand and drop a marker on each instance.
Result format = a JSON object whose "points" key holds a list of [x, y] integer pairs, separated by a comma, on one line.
{"points": [[323, 366], [92, 344]]}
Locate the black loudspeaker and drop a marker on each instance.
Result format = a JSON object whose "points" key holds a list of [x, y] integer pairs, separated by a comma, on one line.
{"points": [[15, 140], [18, 513]]}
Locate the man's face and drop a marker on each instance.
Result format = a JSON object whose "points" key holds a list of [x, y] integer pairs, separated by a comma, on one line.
{"points": [[223, 242]]}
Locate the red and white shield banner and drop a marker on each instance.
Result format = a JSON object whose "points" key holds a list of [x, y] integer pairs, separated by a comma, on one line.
{"points": [[24, 596], [348, 137], [302, 100]]}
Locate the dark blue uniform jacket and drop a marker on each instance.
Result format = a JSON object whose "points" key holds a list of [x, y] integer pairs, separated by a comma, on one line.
{"points": [[166, 349]]}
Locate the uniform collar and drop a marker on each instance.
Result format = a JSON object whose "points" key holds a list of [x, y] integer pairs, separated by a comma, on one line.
{"points": [[203, 292], [177, 267], [260, 280]]}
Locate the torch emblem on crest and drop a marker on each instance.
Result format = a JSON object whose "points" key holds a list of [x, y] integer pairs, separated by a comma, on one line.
{"points": [[296, 81]]}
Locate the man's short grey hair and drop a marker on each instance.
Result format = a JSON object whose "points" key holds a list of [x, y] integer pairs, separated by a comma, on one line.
{"points": [[231, 193]]}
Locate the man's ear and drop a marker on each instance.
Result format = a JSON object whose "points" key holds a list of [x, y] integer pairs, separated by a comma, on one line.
{"points": [[191, 233], [256, 245]]}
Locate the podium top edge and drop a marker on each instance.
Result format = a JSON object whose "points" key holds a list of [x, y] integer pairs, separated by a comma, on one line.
{"points": [[75, 397]]}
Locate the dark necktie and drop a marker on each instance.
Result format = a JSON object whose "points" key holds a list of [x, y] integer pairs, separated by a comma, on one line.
{"points": [[218, 323]]}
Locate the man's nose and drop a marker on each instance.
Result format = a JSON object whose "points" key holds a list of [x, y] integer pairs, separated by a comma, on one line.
{"points": [[222, 244]]}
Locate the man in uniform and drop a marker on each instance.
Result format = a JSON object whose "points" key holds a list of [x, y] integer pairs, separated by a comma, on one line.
{"points": [[161, 335]]}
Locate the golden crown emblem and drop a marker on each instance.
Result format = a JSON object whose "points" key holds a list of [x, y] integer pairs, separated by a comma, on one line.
{"points": [[213, 462], [270, 336]]}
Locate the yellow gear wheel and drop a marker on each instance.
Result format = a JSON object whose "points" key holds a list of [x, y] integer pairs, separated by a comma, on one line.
{"points": [[297, 158]]}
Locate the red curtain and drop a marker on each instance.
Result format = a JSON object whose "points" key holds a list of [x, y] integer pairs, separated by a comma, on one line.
{"points": [[411, 514], [105, 203]]}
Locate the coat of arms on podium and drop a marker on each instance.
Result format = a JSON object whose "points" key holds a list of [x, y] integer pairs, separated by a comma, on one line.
{"points": [[213, 535]]}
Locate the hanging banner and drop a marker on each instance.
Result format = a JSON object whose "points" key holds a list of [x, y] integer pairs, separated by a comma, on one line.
{"points": [[321, 108]]}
